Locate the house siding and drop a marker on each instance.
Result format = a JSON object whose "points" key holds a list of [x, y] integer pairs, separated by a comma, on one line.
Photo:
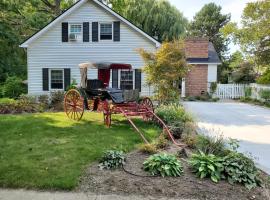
{"points": [[48, 51]]}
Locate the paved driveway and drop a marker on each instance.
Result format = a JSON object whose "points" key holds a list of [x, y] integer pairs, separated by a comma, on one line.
{"points": [[247, 123]]}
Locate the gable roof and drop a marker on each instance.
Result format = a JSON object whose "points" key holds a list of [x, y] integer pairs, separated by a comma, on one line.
{"points": [[26, 43], [212, 57]]}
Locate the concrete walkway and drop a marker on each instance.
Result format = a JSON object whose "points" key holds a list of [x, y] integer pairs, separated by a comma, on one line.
{"points": [[8, 194], [247, 123]]}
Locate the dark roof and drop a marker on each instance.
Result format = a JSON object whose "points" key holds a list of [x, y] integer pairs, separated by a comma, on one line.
{"points": [[212, 56]]}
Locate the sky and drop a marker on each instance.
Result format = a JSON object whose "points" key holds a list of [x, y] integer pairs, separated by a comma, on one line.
{"points": [[190, 7]]}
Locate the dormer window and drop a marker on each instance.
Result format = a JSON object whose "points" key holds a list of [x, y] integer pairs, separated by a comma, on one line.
{"points": [[75, 32], [105, 31]]}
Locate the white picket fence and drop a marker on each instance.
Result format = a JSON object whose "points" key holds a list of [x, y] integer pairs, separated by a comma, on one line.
{"points": [[235, 91], [230, 91]]}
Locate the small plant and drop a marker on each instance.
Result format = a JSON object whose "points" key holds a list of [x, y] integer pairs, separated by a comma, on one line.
{"points": [[211, 144], [44, 101], [207, 165], [73, 85], [163, 165], [161, 142], [13, 87], [148, 148], [213, 87], [248, 92], [57, 99], [190, 140], [241, 169], [112, 159], [265, 94]]}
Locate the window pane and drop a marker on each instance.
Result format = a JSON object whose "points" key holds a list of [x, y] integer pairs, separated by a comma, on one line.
{"points": [[105, 31], [76, 28], [57, 79], [126, 80]]}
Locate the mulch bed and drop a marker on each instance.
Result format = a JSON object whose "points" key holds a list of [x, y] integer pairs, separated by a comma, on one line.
{"points": [[133, 180]]}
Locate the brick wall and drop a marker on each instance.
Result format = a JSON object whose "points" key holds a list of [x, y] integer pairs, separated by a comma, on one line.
{"points": [[196, 47], [196, 80]]}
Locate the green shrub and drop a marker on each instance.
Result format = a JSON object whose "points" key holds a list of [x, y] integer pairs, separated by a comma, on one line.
{"points": [[13, 87], [161, 142], [207, 165], [57, 99], [248, 92], [265, 94], [44, 101], [112, 159], [164, 165], [265, 78], [241, 169], [173, 113], [6, 100], [213, 87], [211, 144], [190, 140], [148, 148]]}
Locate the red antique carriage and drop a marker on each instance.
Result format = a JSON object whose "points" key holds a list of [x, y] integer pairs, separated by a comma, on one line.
{"points": [[95, 95]]}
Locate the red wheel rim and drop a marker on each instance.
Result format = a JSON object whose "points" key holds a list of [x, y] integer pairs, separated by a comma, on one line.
{"points": [[106, 113], [74, 105], [147, 104]]}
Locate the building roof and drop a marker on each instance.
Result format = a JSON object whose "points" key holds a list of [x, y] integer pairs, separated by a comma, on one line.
{"points": [[212, 57], [73, 8]]}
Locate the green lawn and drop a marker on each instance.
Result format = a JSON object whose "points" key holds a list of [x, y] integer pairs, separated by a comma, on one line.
{"points": [[50, 151]]}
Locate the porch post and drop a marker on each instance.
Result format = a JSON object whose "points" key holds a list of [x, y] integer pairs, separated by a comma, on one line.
{"points": [[183, 88]]}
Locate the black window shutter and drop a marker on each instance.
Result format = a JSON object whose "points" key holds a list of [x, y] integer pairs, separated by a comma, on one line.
{"points": [[64, 32], [94, 31], [116, 31], [138, 79], [85, 31], [114, 78], [45, 79], [66, 78]]}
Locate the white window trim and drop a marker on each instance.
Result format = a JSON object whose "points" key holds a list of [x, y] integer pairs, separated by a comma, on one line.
{"points": [[133, 77], [81, 34], [99, 32], [50, 72]]}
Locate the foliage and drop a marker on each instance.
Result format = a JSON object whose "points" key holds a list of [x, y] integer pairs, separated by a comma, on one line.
{"points": [[57, 98], [248, 92], [190, 140], [13, 87], [207, 165], [253, 35], [264, 78], [148, 148], [44, 100], [48, 151], [213, 87], [164, 165], [165, 68], [112, 159], [173, 113], [161, 142], [241, 169], [244, 73], [6, 100], [265, 94], [73, 85], [211, 144], [158, 18], [207, 23]]}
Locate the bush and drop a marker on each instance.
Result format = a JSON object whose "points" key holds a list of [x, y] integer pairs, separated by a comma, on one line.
{"points": [[207, 165], [161, 142], [44, 101], [112, 159], [265, 94], [241, 169], [148, 148], [265, 78], [164, 165], [57, 99], [13, 87], [190, 140], [6, 100], [248, 92], [211, 145]]}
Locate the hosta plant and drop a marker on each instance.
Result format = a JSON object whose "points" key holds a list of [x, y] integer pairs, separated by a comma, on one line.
{"points": [[112, 159], [163, 165], [241, 169], [207, 165]]}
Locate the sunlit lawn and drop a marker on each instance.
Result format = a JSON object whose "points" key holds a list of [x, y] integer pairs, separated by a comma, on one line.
{"points": [[50, 151]]}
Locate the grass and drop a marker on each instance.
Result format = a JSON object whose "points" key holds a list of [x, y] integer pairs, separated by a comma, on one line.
{"points": [[49, 151]]}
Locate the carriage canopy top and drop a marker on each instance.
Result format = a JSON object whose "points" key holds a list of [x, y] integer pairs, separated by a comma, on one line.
{"points": [[105, 65]]}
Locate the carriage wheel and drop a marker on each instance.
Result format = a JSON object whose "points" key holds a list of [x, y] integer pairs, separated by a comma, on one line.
{"points": [[148, 105], [107, 113], [74, 104]]}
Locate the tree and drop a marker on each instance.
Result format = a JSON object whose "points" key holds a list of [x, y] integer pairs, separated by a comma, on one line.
{"points": [[156, 17], [207, 23], [254, 34], [165, 69]]}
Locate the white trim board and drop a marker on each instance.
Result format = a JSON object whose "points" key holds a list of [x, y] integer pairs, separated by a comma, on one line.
{"points": [[73, 8]]}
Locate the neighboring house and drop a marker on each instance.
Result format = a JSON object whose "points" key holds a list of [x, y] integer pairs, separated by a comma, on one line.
{"points": [[91, 31]]}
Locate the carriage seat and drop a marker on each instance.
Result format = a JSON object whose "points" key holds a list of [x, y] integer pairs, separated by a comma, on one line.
{"points": [[123, 96], [93, 84]]}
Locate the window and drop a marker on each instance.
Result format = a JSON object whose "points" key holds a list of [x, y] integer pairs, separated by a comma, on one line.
{"points": [[76, 30], [106, 31], [126, 80], [57, 79]]}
